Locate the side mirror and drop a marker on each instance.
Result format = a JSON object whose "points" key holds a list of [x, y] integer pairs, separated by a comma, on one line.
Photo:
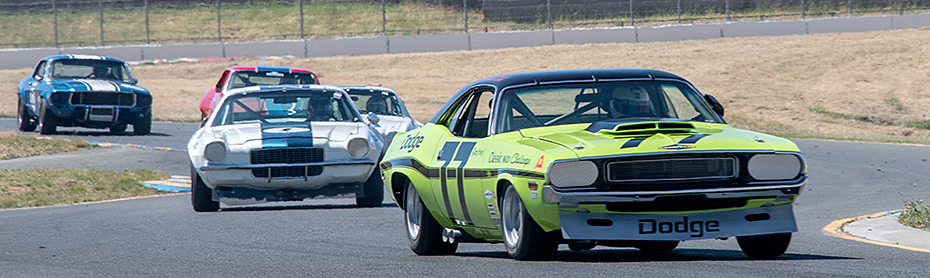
{"points": [[373, 118], [134, 81], [714, 104], [37, 77]]}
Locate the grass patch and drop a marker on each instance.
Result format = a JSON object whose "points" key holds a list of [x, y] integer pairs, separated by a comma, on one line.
{"points": [[45, 187], [876, 120], [13, 145], [916, 215]]}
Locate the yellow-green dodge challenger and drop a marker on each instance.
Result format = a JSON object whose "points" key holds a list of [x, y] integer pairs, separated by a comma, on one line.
{"points": [[612, 157]]}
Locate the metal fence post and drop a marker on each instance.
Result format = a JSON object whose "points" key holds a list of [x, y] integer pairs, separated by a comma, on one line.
{"points": [[55, 19], [147, 30], [301, 19], [100, 4], [632, 20], [465, 12], [728, 10], [219, 34], [803, 12], [679, 12], [549, 14], [383, 19], [850, 8]]}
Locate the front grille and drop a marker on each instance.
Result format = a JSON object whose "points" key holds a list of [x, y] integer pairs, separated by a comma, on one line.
{"points": [[670, 169], [288, 172], [286, 155], [103, 98]]}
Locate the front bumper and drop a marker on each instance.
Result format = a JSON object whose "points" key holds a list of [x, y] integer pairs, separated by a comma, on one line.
{"points": [[677, 227], [241, 175], [98, 115]]}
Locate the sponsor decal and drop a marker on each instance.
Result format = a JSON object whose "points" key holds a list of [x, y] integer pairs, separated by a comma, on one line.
{"points": [[539, 163], [695, 228], [477, 152], [534, 196], [488, 194], [512, 159], [496, 220], [274, 73], [411, 142], [677, 147], [492, 210]]}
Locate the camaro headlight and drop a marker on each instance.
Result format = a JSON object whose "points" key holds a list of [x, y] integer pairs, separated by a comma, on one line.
{"points": [[215, 151], [775, 166], [357, 147], [572, 173]]}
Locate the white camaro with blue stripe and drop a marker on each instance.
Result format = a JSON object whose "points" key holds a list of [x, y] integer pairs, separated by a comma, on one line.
{"points": [[285, 143]]}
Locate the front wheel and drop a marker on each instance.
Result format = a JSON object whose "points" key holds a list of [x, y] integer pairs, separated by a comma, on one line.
{"points": [[201, 195], [48, 122], [144, 125], [525, 240], [424, 234], [26, 123], [374, 191], [764, 246]]}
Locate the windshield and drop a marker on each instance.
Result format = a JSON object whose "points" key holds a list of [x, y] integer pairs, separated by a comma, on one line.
{"points": [[241, 79], [550, 105], [89, 69], [381, 103], [284, 107]]}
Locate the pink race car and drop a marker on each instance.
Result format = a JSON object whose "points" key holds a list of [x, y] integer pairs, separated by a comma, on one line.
{"points": [[244, 76]]}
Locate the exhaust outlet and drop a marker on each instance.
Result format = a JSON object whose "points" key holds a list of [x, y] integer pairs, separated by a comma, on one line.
{"points": [[449, 235]]}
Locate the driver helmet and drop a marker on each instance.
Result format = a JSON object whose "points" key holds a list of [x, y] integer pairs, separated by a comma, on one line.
{"points": [[376, 104], [102, 72], [633, 100]]}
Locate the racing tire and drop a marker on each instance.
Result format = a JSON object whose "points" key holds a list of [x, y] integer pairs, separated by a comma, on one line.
{"points": [[424, 234], [118, 129], [201, 195], [524, 239], [374, 191], [143, 126], [24, 121], [657, 246], [48, 122], [764, 246]]}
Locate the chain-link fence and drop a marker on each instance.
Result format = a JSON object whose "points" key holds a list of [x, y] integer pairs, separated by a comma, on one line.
{"points": [[75, 23]]}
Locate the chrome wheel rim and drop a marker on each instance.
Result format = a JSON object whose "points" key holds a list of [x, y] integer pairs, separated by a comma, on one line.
{"points": [[412, 204], [512, 211]]}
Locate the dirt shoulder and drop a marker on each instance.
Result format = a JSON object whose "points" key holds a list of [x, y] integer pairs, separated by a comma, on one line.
{"points": [[870, 86]]}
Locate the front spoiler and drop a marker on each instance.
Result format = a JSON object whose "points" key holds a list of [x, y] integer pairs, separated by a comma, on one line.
{"points": [[677, 227]]}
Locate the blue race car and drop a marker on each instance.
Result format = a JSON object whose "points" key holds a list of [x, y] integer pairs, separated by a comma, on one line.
{"points": [[86, 91]]}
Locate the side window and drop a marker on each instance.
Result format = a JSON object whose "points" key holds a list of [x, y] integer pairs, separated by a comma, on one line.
{"points": [[40, 69], [473, 117]]}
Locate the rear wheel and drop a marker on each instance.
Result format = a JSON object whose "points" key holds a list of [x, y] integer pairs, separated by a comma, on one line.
{"points": [[48, 122], [424, 234], [201, 195], [764, 246], [374, 191], [144, 125], [26, 123], [525, 240]]}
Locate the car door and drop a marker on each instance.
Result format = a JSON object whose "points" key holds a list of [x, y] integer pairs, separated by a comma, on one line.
{"points": [[465, 188]]}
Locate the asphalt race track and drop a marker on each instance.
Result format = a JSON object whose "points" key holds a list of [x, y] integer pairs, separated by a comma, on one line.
{"points": [[164, 237]]}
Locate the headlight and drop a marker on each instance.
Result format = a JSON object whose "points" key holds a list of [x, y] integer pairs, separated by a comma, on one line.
{"points": [[55, 97], [775, 166], [572, 173], [145, 100], [215, 151], [357, 147]]}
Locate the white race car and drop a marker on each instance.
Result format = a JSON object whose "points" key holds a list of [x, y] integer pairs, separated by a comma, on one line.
{"points": [[387, 106], [285, 143]]}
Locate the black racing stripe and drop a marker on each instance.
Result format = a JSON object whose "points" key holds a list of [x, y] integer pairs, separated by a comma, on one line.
{"points": [[445, 194], [632, 143], [520, 173], [477, 174], [385, 165], [462, 197], [467, 173], [692, 139]]}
